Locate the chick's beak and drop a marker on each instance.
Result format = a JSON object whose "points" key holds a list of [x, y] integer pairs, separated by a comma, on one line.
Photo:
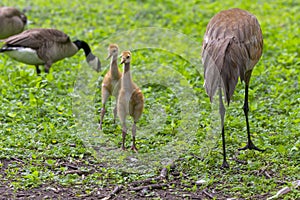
{"points": [[109, 56]]}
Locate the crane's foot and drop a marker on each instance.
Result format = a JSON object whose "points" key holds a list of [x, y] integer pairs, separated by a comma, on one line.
{"points": [[225, 165], [251, 146], [133, 148]]}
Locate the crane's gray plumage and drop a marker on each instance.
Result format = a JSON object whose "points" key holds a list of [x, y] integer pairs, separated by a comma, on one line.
{"points": [[231, 48]]}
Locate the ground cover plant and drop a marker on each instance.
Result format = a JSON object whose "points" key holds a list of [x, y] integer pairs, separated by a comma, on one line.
{"points": [[50, 146]]}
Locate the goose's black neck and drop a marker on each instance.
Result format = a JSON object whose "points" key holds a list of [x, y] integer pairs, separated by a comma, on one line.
{"points": [[83, 45]]}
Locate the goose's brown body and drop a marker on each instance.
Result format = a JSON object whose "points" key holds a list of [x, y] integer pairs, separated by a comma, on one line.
{"points": [[12, 21], [45, 46]]}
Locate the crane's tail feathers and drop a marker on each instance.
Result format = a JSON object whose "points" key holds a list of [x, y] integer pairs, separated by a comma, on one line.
{"points": [[211, 84], [213, 59], [225, 60]]}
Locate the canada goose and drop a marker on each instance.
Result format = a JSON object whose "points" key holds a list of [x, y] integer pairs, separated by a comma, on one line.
{"points": [[111, 81], [12, 21], [45, 47], [130, 101], [231, 48]]}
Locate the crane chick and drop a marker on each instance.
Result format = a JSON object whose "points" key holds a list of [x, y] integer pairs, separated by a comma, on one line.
{"points": [[130, 101], [12, 21], [232, 46], [111, 81], [44, 47]]}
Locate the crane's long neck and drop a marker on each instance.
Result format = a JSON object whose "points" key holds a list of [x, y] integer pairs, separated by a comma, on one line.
{"points": [[126, 80], [114, 67]]}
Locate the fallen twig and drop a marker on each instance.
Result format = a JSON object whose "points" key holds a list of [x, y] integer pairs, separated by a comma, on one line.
{"points": [[164, 173], [69, 166], [162, 176], [17, 159], [55, 190], [280, 182], [197, 157], [116, 190], [21, 195], [79, 172], [146, 181], [263, 170], [267, 175], [208, 194], [238, 160], [285, 190], [151, 186]]}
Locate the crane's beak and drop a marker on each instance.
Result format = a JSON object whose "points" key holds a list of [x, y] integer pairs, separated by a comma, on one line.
{"points": [[109, 56], [122, 59]]}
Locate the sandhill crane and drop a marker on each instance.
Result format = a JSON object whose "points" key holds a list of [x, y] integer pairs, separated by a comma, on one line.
{"points": [[44, 47], [12, 21], [111, 81], [231, 48], [130, 101]]}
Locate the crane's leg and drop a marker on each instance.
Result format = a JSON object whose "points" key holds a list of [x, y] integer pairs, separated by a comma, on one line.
{"points": [[101, 117], [222, 114], [122, 117], [124, 132], [250, 144], [133, 147], [115, 112], [105, 95]]}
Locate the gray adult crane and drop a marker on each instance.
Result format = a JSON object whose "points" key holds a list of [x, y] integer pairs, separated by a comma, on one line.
{"points": [[231, 48]]}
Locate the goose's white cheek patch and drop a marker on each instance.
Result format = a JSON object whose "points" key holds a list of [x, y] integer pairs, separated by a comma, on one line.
{"points": [[94, 62]]}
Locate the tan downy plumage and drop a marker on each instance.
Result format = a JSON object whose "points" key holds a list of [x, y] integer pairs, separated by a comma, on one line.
{"points": [[231, 48], [130, 101], [45, 47], [111, 82], [12, 21]]}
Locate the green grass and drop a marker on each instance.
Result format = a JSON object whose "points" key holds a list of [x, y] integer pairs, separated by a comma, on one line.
{"points": [[41, 117]]}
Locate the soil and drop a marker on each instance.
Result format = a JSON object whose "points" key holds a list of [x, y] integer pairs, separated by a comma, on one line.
{"points": [[166, 185], [145, 189]]}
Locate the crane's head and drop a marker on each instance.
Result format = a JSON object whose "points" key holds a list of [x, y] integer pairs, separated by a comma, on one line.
{"points": [[113, 51], [125, 57]]}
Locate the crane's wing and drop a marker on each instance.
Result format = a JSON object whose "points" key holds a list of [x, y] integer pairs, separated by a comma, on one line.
{"points": [[232, 46]]}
